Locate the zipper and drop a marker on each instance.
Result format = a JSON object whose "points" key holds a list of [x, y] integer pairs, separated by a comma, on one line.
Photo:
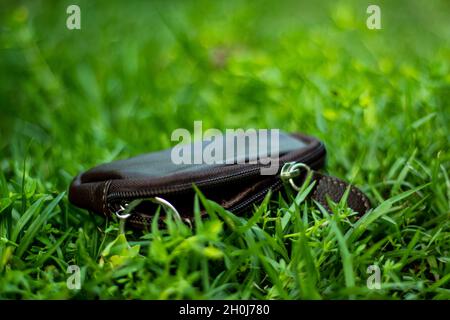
{"points": [[257, 197], [276, 186], [313, 159]]}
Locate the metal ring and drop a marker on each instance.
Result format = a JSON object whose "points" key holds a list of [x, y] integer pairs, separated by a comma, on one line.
{"points": [[123, 212], [291, 170], [166, 205], [296, 167]]}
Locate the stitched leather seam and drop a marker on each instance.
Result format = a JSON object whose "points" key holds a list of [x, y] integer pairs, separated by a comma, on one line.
{"points": [[105, 188], [355, 191], [316, 193], [317, 188], [362, 199]]}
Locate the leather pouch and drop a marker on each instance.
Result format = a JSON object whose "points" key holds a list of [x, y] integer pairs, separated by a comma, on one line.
{"points": [[236, 184]]}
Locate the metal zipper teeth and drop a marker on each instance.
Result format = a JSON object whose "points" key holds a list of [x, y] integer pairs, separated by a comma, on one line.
{"points": [[142, 220], [181, 187], [121, 195], [138, 219]]}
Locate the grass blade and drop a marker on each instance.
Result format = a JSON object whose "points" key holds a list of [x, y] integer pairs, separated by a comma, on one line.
{"points": [[36, 225]]}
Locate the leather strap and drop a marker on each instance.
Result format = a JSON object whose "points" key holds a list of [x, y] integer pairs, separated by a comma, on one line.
{"points": [[334, 188]]}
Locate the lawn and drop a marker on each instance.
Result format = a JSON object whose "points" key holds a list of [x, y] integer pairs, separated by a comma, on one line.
{"points": [[136, 71]]}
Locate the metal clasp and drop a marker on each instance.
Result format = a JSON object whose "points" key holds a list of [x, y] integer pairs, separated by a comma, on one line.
{"points": [[125, 210]]}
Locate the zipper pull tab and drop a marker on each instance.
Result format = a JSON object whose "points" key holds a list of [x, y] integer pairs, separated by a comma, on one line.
{"points": [[292, 170]]}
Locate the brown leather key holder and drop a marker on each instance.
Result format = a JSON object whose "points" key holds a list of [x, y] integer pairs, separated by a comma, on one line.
{"points": [[123, 187]]}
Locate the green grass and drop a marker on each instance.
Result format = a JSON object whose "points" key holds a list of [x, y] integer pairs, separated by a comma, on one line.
{"points": [[380, 100]]}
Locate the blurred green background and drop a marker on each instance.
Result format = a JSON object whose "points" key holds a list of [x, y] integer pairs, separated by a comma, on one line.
{"points": [[137, 70]]}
